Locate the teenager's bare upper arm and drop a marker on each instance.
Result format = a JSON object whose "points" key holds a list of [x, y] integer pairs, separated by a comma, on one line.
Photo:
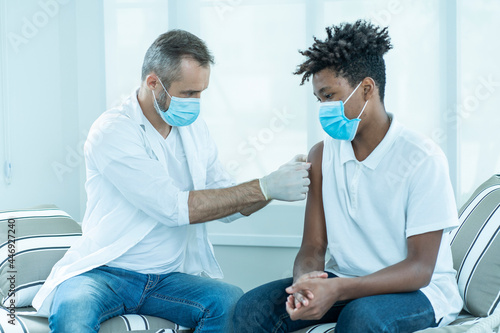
{"points": [[423, 250], [314, 221]]}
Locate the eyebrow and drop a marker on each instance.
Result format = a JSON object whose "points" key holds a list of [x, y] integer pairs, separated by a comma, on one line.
{"points": [[190, 91], [321, 91]]}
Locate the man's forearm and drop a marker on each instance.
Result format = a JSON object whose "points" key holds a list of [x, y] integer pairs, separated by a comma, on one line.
{"points": [[255, 207], [208, 205]]}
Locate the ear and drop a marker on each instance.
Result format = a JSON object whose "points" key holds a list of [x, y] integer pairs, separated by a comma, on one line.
{"points": [[151, 81], [369, 87]]}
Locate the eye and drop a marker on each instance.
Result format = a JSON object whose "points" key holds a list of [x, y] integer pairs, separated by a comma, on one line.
{"points": [[328, 96]]}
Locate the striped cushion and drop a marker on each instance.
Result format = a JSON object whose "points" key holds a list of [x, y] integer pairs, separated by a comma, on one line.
{"points": [[42, 235], [462, 324], [25, 323], [476, 249], [321, 328], [135, 322]]}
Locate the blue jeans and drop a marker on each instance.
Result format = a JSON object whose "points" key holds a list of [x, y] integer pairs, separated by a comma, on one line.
{"points": [[83, 302], [263, 310]]}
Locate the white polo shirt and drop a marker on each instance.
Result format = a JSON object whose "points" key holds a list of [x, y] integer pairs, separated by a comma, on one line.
{"points": [[371, 207]]}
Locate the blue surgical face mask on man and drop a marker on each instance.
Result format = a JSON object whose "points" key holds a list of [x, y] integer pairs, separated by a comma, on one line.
{"points": [[335, 123], [181, 111]]}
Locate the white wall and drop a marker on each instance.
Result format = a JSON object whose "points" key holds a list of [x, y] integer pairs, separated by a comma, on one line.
{"points": [[52, 89], [249, 267]]}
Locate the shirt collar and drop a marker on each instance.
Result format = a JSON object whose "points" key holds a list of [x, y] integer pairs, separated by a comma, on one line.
{"points": [[373, 160], [138, 116], [133, 109]]}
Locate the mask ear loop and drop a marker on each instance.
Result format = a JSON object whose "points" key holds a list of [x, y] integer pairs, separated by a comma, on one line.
{"points": [[154, 97], [157, 106], [353, 92], [363, 109], [364, 106], [163, 87]]}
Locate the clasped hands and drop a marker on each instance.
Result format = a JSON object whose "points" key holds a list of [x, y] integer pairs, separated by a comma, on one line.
{"points": [[311, 296]]}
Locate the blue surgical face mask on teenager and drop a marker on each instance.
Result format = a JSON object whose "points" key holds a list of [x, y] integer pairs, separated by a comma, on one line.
{"points": [[181, 111], [335, 123]]}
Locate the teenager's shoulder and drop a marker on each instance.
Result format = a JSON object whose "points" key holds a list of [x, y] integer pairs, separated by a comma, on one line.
{"points": [[415, 143], [316, 152]]}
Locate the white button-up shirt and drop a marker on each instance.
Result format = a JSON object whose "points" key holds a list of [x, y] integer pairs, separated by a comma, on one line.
{"points": [[130, 192]]}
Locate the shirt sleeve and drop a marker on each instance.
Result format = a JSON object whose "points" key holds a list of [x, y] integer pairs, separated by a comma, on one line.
{"points": [[217, 176], [431, 202], [119, 152]]}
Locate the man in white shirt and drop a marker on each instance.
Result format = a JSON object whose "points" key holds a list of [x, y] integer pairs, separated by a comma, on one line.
{"points": [[380, 202], [153, 178]]}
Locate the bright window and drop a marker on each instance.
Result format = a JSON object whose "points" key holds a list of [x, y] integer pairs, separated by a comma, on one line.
{"points": [[477, 110]]}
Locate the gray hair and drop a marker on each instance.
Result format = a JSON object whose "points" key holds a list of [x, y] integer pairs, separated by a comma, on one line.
{"points": [[164, 56]]}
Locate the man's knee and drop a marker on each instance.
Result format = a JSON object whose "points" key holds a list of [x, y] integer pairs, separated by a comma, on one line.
{"points": [[225, 299], [75, 307], [70, 313], [77, 293], [233, 293], [65, 310]]}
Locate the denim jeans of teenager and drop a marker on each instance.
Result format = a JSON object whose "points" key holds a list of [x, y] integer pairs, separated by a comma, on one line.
{"points": [[263, 310], [83, 302]]}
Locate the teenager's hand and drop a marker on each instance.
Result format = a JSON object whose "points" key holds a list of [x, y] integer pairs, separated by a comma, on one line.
{"points": [[301, 298], [325, 293]]}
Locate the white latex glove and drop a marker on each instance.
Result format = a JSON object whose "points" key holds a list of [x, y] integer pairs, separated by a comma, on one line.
{"points": [[289, 183]]}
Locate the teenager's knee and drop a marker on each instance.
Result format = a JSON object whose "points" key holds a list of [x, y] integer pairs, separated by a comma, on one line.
{"points": [[257, 309], [250, 312], [358, 317]]}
